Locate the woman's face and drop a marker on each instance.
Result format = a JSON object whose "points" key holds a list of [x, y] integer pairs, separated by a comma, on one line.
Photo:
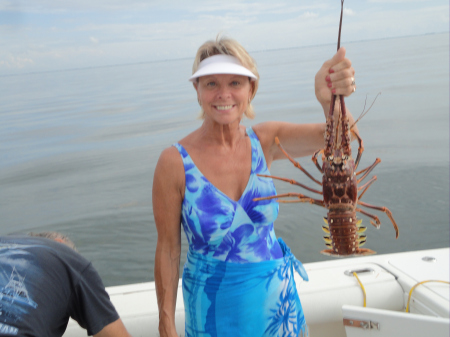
{"points": [[224, 98]]}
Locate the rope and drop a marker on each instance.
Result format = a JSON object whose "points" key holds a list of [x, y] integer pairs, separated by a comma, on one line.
{"points": [[418, 284], [362, 287]]}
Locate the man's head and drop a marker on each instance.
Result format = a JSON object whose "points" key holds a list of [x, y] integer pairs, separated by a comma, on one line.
{"points": [[55, 236]]}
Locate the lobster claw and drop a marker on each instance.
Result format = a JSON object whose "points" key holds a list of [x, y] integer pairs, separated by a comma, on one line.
{"points": [[377, 225]]}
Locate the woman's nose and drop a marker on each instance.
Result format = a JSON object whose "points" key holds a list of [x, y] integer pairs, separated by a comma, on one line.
{"points": [[223, 92]]}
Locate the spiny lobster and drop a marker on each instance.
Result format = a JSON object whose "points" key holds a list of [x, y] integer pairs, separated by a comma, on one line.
{"points": [[339, 185]]}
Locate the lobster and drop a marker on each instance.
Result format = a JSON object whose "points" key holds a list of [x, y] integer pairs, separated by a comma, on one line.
{"points": [[345, 234]]}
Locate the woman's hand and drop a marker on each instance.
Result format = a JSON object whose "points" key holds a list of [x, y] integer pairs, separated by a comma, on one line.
{"points": [[336, 76]]}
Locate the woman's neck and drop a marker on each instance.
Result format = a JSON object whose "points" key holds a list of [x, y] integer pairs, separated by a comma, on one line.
{"points": [[228, 135]]}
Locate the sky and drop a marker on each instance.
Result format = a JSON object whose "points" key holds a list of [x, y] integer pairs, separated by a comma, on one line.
{"points": [[47, 35]]}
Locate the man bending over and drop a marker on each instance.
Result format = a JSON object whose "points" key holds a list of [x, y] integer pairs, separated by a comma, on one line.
{"points": [[44, 281]]}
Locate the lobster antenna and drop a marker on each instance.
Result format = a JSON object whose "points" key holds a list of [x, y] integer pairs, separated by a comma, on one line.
{"points": [[340, 25], [340, 97], [363, 113], [333, 97], [338, 124]]}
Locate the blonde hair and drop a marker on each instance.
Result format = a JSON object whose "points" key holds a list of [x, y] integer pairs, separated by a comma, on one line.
{"points": [[227, 46]]}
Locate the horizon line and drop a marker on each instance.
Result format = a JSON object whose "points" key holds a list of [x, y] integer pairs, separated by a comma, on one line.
{"points": [[183, 58]]}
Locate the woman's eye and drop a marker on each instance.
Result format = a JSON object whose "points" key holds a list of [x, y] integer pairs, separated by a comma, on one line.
{"points": [[211, 84], [235, 83]]}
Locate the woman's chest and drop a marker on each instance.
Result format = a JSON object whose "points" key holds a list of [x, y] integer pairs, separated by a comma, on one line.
{"points": [[227, 172]]}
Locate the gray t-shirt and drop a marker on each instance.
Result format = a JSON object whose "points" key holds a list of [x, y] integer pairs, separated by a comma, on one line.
{"points": [[43, 283]]}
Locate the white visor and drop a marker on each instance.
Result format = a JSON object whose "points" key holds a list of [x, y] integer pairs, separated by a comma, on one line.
{"points": [[221, 64]]}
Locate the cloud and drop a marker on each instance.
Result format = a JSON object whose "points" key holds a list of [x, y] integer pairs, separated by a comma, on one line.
{"points": [[63, 35], [397, 1], [52, 6], [251, 8], [308, 15], [15, 62], [349, 12]]}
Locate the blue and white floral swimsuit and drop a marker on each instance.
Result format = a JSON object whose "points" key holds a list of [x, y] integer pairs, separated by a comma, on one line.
{"points": [[238, 278]]}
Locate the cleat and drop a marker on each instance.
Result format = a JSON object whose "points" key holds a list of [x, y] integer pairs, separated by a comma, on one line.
{"points": [[325, 220], [329, 245], [359, 222], [362, 243], [361, 230], [325, 229]]}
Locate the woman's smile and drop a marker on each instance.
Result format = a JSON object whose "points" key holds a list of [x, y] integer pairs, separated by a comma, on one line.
{"points": [[223, 107]]}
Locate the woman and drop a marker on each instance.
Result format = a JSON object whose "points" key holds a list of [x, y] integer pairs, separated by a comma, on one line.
{"points": [[238, 278]]}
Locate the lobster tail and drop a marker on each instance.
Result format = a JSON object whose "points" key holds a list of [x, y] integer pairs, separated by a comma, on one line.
{"points": [[345, 236], [358, 252]]}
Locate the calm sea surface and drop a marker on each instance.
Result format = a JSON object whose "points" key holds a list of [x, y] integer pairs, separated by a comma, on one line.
{"points": [[78, 148]]}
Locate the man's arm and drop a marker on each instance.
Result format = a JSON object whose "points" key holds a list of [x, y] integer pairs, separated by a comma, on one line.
{"points": [[114, 329]]}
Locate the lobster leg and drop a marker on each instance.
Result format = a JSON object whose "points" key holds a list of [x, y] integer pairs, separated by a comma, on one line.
{"points": [[314, 159], [375, 218], [301, 198], [291, 181], [376, 223], [366, 186], [360, 148], [367, 170], [296, 164]]}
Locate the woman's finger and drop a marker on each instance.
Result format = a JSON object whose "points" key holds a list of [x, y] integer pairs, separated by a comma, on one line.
{"points": [[344, 64], [337, 58], [344, 87], [343, 74]]}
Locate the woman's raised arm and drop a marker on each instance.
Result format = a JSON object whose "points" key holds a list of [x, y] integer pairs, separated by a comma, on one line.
{"points": [[336, 76]]}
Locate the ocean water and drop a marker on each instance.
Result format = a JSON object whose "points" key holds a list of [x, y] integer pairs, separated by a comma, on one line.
{"points": [[78, 148]]}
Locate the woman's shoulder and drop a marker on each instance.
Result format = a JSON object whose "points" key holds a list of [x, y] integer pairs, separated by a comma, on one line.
{"points": [[170, 153], [168, 178], [169, 160], [265, 132]]}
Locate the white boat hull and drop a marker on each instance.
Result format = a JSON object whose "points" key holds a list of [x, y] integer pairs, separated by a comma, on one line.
{"points": [[332, 290]]}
